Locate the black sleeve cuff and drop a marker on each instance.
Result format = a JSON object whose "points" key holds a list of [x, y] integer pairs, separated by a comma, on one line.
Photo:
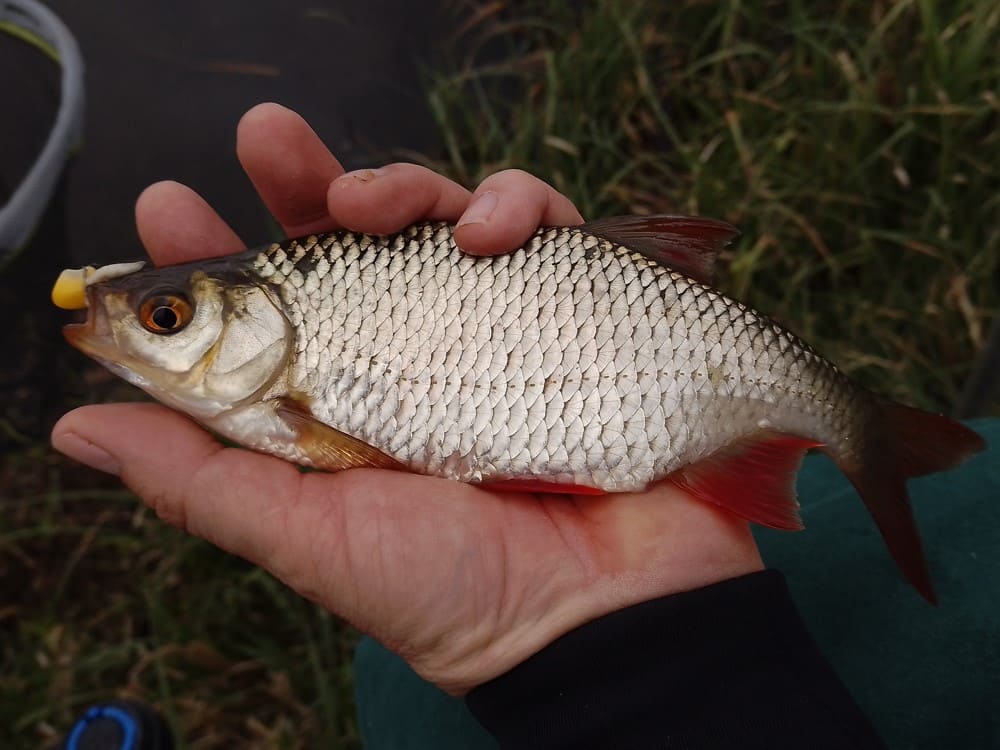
{"points": [[730, 665]]}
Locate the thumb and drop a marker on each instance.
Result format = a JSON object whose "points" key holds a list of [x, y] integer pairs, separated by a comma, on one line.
{"points": [[312, 530], [231, 497]]}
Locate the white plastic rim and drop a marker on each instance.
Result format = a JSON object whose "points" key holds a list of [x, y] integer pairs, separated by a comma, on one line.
{"points": [[20, 215]]}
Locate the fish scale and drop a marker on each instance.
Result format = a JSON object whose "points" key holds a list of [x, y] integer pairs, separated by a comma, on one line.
{"points": [[648, 380]]}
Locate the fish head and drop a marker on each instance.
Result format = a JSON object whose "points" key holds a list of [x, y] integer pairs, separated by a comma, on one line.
{"points": [[202, 338]]}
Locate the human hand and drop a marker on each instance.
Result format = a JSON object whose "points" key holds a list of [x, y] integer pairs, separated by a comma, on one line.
{"points": [[462, 582]]}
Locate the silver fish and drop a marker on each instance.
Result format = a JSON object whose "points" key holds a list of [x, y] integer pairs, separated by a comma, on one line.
{"points": [[594, 359]]}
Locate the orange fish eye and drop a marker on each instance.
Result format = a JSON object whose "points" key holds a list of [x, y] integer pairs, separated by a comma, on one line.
{"points": [[165, 312]]}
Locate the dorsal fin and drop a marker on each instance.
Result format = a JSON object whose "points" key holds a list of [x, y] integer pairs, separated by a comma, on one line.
{"points": [[688, 244]]}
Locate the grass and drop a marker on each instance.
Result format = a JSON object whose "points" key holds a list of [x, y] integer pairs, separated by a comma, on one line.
{"points": [[855, 143]]}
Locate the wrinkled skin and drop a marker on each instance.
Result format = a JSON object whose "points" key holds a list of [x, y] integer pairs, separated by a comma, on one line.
{"points": [[463, 583]]}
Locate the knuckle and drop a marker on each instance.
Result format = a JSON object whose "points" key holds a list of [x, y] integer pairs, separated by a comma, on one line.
{"points": [[169, 509]]}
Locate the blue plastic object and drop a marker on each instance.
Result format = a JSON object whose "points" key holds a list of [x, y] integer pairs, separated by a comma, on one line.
{"points": [[119, 725], [126, 724]]}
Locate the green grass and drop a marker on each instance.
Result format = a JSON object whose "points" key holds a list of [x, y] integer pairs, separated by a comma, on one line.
{"points": [[855, 143], [857, 147]]}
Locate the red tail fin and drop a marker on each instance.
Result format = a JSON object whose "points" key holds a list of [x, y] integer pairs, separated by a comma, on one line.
{"points": [[927, 442], [911, 443]]}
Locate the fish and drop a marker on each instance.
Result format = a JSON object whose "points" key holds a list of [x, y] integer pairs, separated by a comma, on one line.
{"points": [[594, 359]]}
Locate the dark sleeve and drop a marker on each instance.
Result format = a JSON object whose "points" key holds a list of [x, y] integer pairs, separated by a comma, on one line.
{"points": [[727, 666]]}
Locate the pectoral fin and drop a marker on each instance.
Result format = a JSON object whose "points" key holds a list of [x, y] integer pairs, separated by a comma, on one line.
{"points": [[330, 449]]}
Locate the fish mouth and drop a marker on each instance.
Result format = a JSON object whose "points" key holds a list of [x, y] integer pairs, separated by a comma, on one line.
{"points": [[87, 335], [95, 338]]}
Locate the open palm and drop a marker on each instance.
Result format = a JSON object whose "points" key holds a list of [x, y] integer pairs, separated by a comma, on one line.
{"points": [[462, 582]]}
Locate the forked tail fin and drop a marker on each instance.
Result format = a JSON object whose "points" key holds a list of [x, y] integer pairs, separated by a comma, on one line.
{"points": [[910, 443]]}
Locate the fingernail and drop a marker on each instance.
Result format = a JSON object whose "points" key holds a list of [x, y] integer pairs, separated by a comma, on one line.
{"points": [[80, 449], [480, 210], [358, 175]]}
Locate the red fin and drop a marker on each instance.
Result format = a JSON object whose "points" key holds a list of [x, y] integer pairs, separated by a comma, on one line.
{"points": [[753, 478], [537, 485], [688, 244], [927, 442], [330, 449], [886, 499], [911, 443]]}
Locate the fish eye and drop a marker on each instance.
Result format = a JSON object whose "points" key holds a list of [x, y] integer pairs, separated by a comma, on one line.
{"points": [[165, 312]]}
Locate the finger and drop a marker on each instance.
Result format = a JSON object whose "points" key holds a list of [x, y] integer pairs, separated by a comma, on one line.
{"points": [[246, 503], [255, 506], [384, 200], [289, 166], [176, 225], [507, 208], [122, 439]]}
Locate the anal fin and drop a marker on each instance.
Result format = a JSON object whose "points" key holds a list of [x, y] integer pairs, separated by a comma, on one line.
{"points": [[753, 477], [330, 449]]}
